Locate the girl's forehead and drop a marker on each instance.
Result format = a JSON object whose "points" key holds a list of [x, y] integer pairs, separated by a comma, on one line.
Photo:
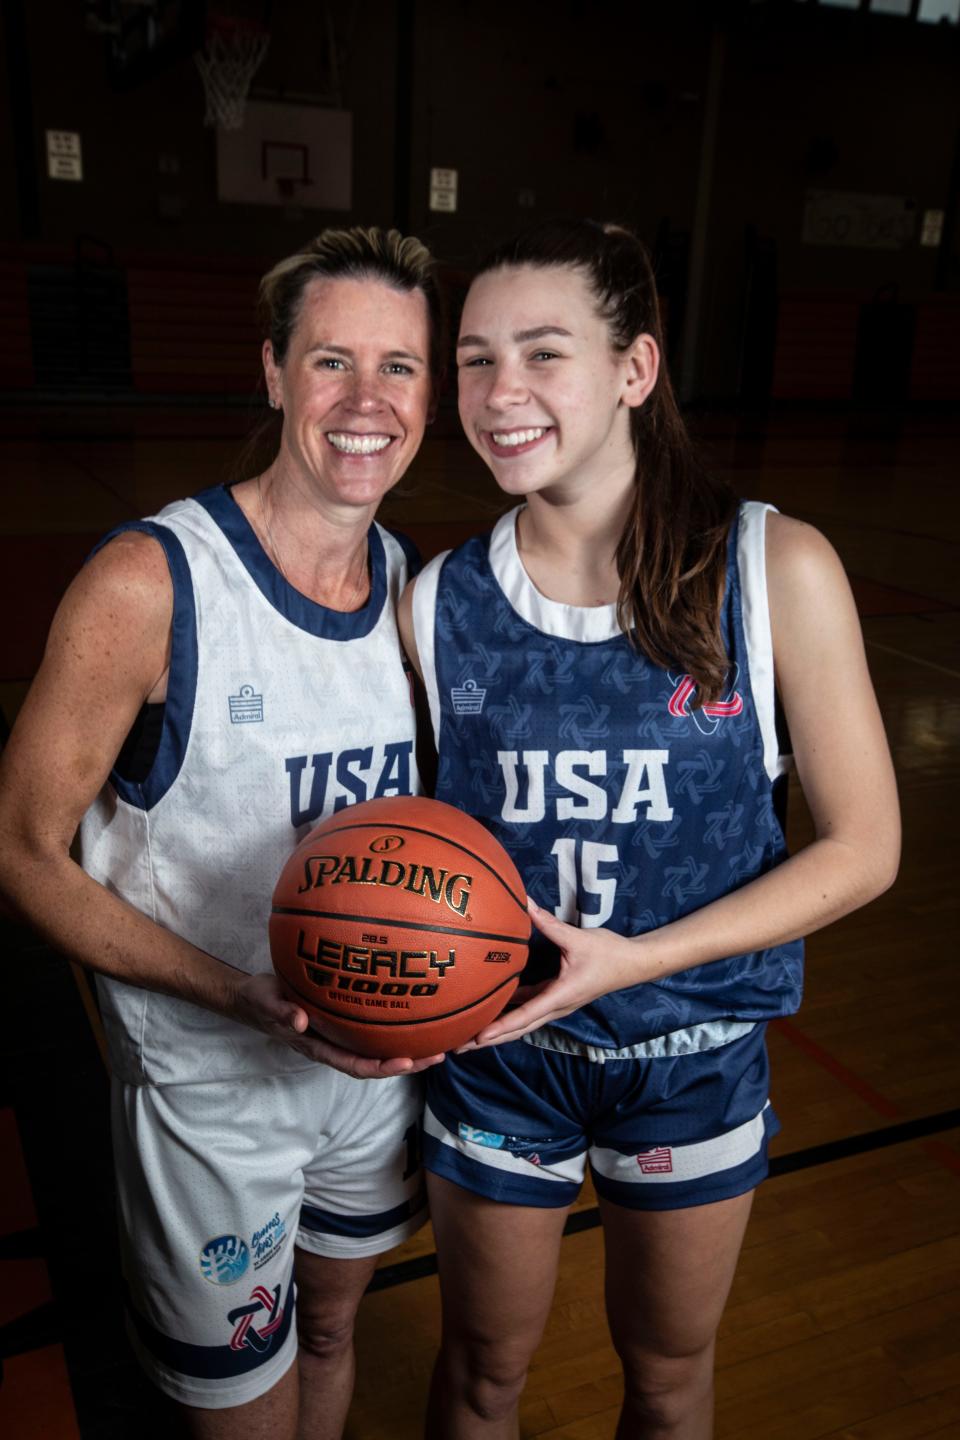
{"points": [[522, 295]]}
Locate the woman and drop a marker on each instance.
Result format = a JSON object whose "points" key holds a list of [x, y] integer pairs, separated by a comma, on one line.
{"points": [[217, 679], [604, 673]]}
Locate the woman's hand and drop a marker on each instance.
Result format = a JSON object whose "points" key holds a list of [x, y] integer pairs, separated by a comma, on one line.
{"points": [[261, 1003], [592, 963]]}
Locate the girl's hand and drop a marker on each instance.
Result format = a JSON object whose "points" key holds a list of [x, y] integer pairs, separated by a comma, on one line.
{"points": [[592, 963]]}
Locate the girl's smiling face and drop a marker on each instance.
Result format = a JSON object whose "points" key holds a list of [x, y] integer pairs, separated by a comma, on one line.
{"points": [[544, 398]]}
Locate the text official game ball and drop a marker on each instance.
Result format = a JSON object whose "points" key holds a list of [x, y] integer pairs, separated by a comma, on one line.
{"points": [[401, 925]]}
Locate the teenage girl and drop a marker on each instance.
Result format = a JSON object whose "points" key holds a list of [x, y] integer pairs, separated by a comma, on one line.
{"points": [[605, 672]]}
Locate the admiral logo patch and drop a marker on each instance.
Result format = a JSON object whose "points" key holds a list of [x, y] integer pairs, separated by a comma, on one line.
{"points": [[247, 707], [467, 698]]}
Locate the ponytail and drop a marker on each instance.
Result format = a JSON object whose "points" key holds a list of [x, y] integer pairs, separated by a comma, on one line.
{"points": [[671, 558]]}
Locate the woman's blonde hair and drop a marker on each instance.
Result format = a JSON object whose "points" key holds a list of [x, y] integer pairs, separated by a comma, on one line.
{"points": [[361, 253]]}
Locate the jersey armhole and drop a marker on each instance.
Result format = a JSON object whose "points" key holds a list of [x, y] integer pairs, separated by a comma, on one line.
{"points": [[752, 565], [410, 551], [182, 682], [424, 613]]}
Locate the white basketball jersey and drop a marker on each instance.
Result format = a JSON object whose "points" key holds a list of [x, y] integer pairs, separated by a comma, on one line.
{"points": [[278, 712]]}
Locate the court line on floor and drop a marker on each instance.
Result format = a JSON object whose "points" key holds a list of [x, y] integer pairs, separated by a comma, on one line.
{"points": [[789, 1029], [421, 1266], [917, 660]]}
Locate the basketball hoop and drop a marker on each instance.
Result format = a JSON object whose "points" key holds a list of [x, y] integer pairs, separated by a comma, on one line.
{"points": [[233, 53]]}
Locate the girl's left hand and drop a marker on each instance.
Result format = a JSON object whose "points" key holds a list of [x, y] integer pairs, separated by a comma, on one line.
{"points": [[592, 963]]}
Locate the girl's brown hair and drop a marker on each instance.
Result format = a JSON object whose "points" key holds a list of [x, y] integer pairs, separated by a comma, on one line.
{"points": [[671, 558]]}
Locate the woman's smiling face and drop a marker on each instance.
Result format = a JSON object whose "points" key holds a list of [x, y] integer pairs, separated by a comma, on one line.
{"points": [[354, 386], [544, 397]]}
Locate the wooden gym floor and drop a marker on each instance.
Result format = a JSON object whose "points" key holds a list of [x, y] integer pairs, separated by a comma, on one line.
{"points": [[843, 1320]]}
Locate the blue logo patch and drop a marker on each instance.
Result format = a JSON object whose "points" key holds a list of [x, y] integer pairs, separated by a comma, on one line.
{"points": [[224, 1259], [480, 1137]]}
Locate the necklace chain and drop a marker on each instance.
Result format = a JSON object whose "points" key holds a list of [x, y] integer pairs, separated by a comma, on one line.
{"points": [[276, 553], [270, 540]]}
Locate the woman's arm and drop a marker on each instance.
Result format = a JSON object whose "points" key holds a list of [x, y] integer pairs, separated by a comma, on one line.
{"points": [[107, 652], [844, 767]]}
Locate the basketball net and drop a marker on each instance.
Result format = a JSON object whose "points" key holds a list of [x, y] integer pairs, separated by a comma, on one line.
{"points": [[234, 52]]}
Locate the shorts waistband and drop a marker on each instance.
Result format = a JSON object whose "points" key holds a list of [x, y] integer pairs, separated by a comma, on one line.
{"points": [[711, 1035]]}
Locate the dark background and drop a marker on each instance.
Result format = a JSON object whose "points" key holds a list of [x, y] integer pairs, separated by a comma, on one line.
{"points": [[819, 377], [701, 125]]}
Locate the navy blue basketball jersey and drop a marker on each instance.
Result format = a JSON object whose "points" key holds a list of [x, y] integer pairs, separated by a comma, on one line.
{"points": [[621, 804]]}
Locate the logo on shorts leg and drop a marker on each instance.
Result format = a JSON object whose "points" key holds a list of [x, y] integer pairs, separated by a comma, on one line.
{"points": [[259, 1337], [224, 1259], [658, 1161], [480, 1137], [267, 1241]]}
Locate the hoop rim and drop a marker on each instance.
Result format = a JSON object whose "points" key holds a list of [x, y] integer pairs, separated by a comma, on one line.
{"points": [[222, 23]]}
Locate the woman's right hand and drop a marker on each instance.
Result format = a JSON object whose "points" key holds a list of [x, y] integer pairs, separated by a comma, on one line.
{"points": [[261, 1003]]}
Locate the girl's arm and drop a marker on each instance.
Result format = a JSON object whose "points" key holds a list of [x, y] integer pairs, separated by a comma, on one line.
{"points": [[405, 625], [844, 767]]}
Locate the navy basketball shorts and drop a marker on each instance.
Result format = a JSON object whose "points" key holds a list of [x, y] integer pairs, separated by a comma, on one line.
{"points": [[517, 1123], [217, 1182]]}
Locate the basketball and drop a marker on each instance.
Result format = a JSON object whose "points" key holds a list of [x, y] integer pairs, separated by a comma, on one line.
{"points": [[401, 925]]}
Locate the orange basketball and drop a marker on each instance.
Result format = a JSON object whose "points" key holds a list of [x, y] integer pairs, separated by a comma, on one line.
{"points": [[401, 925]]}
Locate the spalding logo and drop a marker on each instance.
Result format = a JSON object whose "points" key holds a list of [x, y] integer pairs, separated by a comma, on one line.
{"points": [[436, 885], [386, 842]]}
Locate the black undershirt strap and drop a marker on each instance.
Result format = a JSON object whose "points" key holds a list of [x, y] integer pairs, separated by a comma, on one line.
{"points": [[139, 750]]}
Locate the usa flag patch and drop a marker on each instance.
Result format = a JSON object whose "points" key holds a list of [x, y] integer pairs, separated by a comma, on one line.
{"points": [[658, 1161]]}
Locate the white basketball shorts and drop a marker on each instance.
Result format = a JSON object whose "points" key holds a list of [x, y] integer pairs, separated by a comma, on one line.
{"points": [[218, 1181]]}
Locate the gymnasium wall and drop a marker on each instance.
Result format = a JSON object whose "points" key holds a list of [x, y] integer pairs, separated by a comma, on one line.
{"points": [[572, 108], [823, 101]]}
